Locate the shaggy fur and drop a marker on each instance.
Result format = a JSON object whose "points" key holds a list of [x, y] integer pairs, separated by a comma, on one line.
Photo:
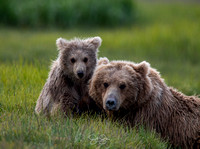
{"points": [[66, 86], [142, 97]]}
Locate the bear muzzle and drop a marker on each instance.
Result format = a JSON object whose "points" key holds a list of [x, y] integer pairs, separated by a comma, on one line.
{"points": [[80, 74], [111, 104]]}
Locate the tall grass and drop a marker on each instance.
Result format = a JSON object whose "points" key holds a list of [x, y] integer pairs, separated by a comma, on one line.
{"points": [[66, 13], [21, 128]]}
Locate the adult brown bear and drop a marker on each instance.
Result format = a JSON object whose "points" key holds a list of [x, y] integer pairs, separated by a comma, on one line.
{"points": [[137, 94]]}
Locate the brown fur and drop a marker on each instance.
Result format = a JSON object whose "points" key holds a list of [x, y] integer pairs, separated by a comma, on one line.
{"points": [[147, 100], [64, 88]]}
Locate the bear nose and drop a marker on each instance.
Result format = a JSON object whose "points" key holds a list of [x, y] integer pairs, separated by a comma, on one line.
{"points": [[80, 74], [111, 104]]}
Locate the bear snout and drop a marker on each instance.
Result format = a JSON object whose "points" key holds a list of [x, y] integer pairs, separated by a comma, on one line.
{"points": [[80, 74], [111, 104]]}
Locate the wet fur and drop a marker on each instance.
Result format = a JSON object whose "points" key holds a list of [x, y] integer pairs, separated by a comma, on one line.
{"points": [[63, 90]]}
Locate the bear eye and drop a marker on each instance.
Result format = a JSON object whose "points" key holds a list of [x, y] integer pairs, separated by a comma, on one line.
{"points": [[73, 60], [123, 86], [105, 85], [85, 59]]}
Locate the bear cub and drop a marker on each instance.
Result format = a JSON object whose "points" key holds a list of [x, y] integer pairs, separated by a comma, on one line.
{"points": [[66, 86]]}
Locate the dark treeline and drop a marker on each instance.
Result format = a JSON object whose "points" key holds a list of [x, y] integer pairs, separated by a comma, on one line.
{"points": [[66, 13]]}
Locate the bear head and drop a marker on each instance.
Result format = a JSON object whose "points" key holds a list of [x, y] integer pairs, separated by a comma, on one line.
{"points": [[77, 57], [120, 84]]}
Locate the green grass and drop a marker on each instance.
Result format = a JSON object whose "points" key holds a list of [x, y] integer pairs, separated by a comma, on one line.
{"points": [[166, 35], [22, 128]]}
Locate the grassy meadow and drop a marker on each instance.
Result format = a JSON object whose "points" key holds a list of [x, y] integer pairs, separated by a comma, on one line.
{"points": [[167, 35]]}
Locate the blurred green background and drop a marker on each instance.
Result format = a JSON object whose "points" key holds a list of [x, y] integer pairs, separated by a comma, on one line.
{"points": [[66, 13], [164, 33]]}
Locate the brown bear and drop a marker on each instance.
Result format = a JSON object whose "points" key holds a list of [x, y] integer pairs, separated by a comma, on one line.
{"points": [[66, 86], [136, 94]]}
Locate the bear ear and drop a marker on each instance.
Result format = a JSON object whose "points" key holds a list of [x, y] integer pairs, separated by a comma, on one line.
{"points": [[94, 42], [103, 61], [143, 68], [61, 43]]}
